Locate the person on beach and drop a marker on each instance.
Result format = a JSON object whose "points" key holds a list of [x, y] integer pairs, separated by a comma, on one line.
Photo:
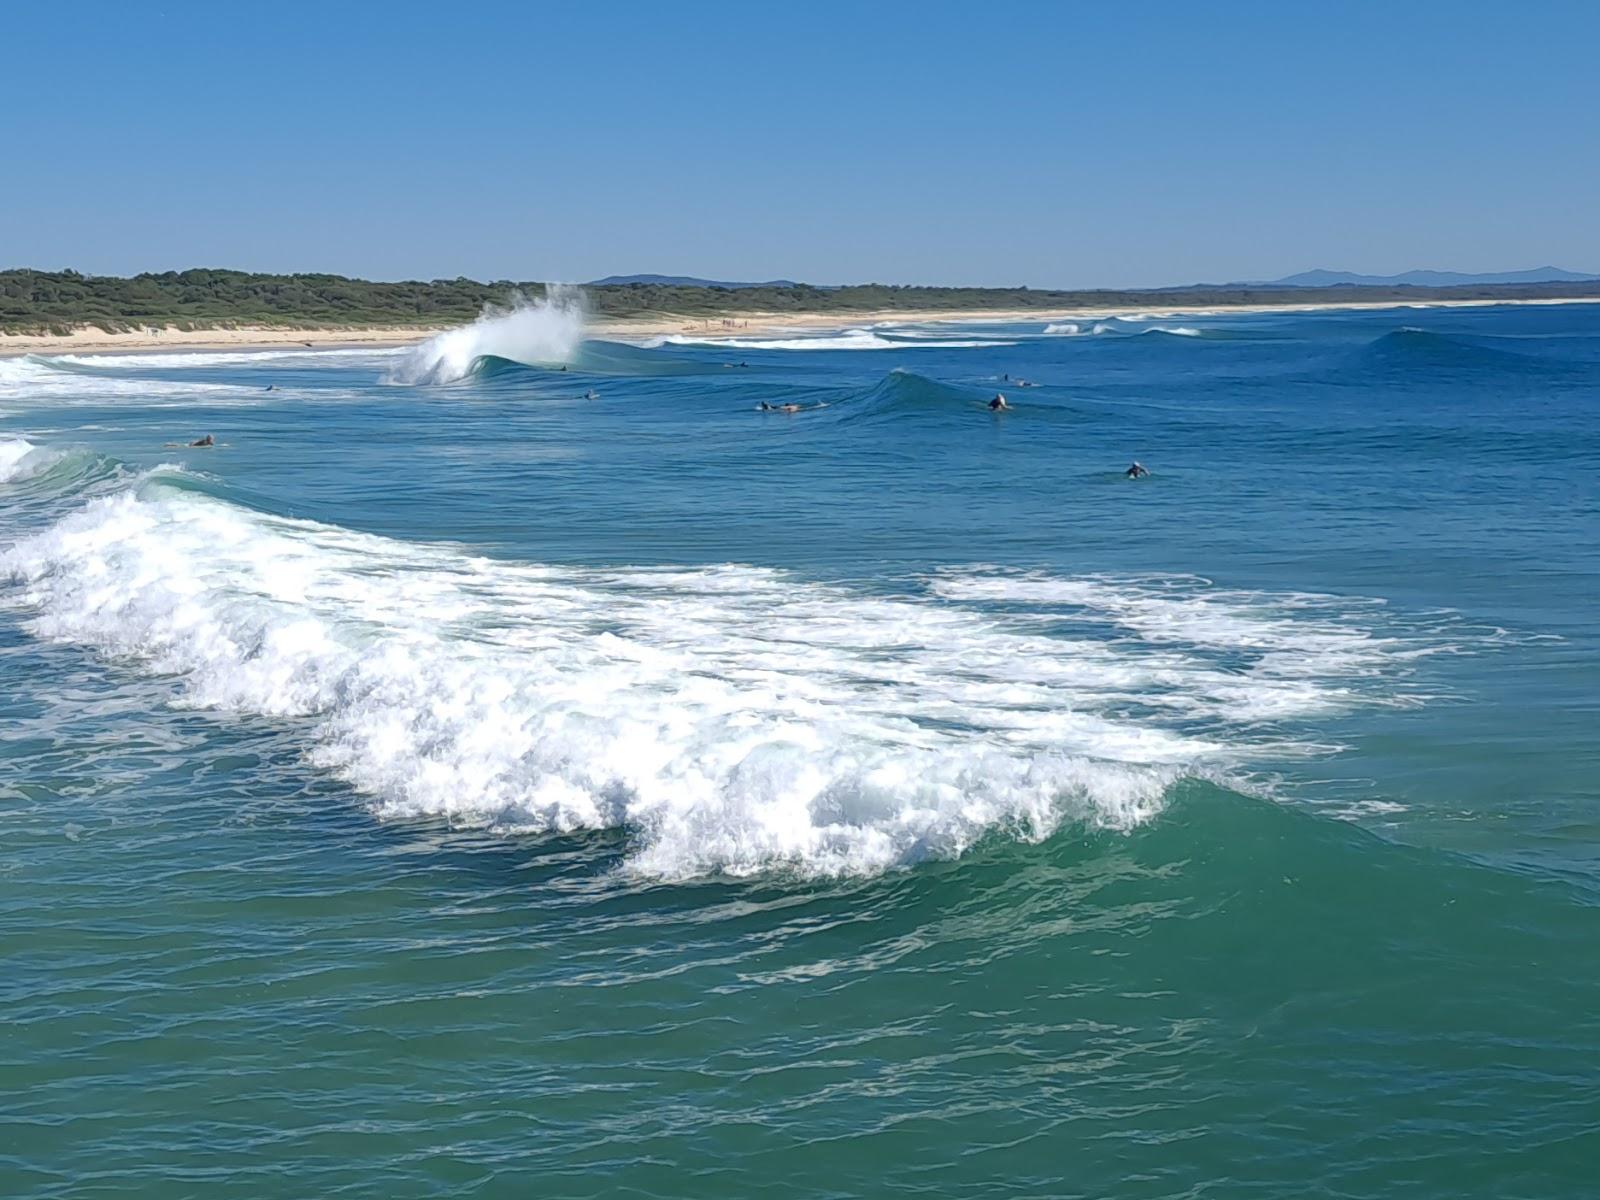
{"points": [[1136, 472], [998, 404]]}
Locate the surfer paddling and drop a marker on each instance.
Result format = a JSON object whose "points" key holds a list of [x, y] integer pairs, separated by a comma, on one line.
{"points": [[1136, 472], [998, 404]]}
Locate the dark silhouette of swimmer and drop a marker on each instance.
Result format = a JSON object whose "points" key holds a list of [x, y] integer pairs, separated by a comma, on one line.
{"points": [[783, 408], [205, 442], [591, 394], [1136, 472], [271, 386], [998, 404], [1005, 379]]}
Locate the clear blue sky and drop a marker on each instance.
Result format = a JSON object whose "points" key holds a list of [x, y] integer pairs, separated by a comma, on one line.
{"points": [[1093, 144]]}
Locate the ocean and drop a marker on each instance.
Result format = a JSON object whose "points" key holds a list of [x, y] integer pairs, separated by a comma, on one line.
{"points": [[524, 765]]}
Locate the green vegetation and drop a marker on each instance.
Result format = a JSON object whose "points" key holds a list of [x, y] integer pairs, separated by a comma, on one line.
{"points": [[56, 301]]}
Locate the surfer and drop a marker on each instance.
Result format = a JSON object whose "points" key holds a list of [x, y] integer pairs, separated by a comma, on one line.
{"points": [[204, 443], [591, 394], [1136, 472], [998, 404]]}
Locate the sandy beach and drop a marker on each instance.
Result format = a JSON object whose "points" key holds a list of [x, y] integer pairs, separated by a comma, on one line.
{"points": [[91, 340]]}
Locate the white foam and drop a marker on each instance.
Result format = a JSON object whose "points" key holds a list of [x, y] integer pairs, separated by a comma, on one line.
{"points": [[180, 360], [732, 719], [72, 381], [21, 459], [1116, 326], [536, 333], [850, 339]]}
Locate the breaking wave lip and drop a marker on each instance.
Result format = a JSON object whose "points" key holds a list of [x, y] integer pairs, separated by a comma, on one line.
{"points": [[542, 332], [1116, 326], [850, 339], [860, 732], [21, 459]]}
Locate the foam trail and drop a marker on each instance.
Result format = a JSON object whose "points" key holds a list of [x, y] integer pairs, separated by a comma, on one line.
{"points": [[850, 339], [856, 733], [536, 333]]}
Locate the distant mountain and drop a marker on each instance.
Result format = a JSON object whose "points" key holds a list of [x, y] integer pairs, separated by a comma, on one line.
{"points": [[1428, 278], [687, 281]]}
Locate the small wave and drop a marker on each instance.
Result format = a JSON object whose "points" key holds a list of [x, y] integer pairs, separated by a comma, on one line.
{"points": [[541, 333], [1410, 345], [26, 469], [1119, 327], [903, 393]]}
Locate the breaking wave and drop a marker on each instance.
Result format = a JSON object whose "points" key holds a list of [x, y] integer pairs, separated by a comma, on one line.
{"points": [[730, 719], [544, 332], [21, 459], [1118, 327]]}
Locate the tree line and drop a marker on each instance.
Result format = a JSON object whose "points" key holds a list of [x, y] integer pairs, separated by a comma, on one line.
{"points": [[58, 301]]}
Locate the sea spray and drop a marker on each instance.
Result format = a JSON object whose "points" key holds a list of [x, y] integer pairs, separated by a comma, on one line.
{"points": [[535, 332]]}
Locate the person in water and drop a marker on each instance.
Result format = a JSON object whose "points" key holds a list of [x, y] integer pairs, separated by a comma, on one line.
{"points": [[1136, 472], [205, 442], [591, 394], [998, 404]]}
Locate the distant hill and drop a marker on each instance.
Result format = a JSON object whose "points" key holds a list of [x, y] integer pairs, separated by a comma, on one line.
{"points": [[1427, 278], [685, 281]]}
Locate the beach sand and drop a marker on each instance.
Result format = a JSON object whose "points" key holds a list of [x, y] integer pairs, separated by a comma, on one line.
{"points": [[87, 339]]}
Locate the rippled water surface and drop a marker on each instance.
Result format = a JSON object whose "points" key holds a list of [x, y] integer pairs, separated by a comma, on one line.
{"points": [[524, 765]]}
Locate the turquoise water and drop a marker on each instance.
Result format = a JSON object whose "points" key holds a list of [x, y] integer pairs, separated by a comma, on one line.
{"points": [[451, 785]]}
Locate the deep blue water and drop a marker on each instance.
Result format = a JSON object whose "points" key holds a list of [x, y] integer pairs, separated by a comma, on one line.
{"points": [[585, 782]]}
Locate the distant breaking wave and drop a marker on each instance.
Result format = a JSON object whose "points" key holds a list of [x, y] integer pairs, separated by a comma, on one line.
{"points": [[850, 339], [1116, 327], [534, 333]]}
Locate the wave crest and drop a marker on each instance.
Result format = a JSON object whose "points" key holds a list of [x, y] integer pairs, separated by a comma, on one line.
{"points": [[731, 719], [534, 333]]}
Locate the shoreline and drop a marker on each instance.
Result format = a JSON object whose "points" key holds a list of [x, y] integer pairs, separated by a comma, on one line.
{"points": [[89, 340]]}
